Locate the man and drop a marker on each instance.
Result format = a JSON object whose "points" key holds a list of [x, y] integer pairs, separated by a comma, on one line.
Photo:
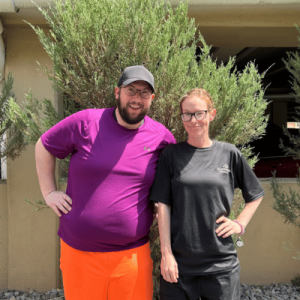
{"points": [[105, 215]]}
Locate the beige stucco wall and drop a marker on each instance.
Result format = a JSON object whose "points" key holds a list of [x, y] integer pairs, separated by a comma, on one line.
{"points": [[29, 248], [32, 240], [264, 258], [246, 25], [3, 235]]}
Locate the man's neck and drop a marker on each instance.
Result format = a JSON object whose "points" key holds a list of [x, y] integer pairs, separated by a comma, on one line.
{"points": [[120, 121]]}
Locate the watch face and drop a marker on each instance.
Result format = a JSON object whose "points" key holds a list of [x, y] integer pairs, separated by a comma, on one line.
{"points": [[239, 243]]}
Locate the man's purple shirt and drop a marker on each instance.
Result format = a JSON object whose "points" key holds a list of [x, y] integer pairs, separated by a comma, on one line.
{"points": [[110, 175]]}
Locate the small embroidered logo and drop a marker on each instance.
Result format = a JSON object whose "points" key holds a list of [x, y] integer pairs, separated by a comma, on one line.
{"points": [[224, 169], [146, 148]]}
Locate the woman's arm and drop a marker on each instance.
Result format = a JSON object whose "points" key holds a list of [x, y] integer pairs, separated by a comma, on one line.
{"points": [[228, 227], [168, 266]]}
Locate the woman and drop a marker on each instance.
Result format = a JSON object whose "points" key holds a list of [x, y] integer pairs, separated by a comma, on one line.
{"points": [[194, 188]]}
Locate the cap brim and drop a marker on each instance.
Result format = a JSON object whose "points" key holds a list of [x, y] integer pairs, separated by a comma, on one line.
{"points": [[131, 80]]}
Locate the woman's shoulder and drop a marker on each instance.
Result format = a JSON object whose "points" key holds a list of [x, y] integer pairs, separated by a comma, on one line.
{"points": [[173, 150], [227, 147]]}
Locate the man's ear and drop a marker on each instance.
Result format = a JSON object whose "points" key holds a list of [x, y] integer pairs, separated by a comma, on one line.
{"points": [[117, 92], [152, 97]]}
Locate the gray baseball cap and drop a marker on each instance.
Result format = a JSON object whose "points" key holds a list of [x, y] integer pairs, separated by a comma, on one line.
{"points": [[135, 73]]}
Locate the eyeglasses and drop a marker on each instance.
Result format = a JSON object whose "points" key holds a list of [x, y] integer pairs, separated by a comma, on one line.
{"points": [[130, 91], [199, 115]]}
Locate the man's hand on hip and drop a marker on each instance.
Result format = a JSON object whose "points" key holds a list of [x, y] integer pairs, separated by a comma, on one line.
{"points": [[59, 202]]}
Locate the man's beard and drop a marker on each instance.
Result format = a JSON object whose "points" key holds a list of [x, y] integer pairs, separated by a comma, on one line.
{"points": [[126, 116]]}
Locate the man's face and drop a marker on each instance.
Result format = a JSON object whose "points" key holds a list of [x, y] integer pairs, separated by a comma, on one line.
{"points": [[133, 109]]}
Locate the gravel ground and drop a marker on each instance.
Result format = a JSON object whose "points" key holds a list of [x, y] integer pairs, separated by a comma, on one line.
{"points": [[273, 291]]}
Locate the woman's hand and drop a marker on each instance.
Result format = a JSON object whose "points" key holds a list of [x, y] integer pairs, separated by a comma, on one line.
{"points": [[59, 202], [227, 228], [169, 268]]}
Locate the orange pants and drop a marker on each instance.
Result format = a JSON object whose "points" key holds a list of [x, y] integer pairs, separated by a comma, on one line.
{"points": [[125, 275]]}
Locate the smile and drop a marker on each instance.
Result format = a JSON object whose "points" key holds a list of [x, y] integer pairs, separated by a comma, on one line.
{"points": [[134, 106]]}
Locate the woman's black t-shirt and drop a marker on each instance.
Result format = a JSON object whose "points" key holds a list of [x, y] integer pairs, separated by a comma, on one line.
{"points": [[199, 184]]}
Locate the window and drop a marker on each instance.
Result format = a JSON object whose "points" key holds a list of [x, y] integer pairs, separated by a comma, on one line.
{"points": [[292, 114], [294, 125]]}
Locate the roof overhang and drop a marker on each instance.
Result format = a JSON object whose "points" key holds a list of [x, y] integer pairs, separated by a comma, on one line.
{"points": [[223, 23], [13, 6]]}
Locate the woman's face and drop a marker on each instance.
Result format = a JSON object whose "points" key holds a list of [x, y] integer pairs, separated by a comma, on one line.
{"points": [[196, 127]]}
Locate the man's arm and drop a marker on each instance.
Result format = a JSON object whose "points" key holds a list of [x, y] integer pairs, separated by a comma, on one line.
{"points": [[168, 266], [45, 167]]}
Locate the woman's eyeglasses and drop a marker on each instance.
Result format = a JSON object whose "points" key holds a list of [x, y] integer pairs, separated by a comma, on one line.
{"points": [[199, 115]]}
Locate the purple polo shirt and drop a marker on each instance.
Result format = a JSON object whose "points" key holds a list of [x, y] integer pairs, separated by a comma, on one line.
{"points": [[110, 175]]}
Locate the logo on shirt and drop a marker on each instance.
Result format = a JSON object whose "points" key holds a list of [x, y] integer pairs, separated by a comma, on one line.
{"points": [[224, 169], [146, 148]]}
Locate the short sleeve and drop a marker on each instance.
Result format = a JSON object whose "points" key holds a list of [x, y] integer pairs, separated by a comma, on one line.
{"points": [[61, 139], [246, 180], [161, 189], [169, 138]]}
